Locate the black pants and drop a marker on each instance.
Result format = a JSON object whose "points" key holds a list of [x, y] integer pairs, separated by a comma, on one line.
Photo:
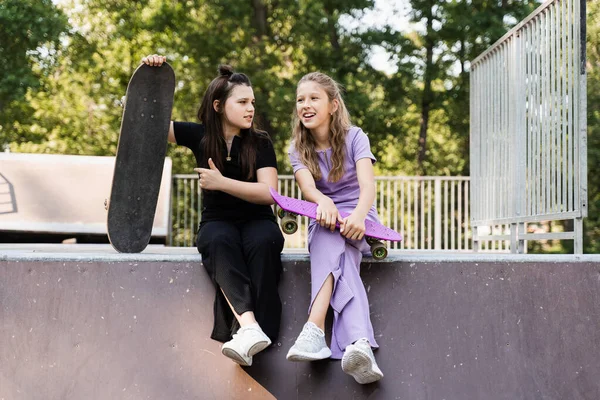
{"points": [[243, 259]]}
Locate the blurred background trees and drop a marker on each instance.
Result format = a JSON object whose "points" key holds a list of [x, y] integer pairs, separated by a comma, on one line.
{"points": [[66, 65]]}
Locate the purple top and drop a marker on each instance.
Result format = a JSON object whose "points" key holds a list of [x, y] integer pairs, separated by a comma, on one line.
{"points": [[344, 192]]}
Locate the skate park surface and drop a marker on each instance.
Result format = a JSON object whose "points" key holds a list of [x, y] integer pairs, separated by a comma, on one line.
{"points": [[85, 322]]}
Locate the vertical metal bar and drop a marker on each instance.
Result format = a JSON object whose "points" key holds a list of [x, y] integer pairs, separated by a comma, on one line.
{"points": [[547, 111], [459, 216], [510, 159], [538, 106], [445, 215], [415, 216], [506, 207], [576, 106], [564, 104], [551, 106], [177, 236], [286, 187], [466, 218], [476, 242], [578, 235], [488, 138], [452, 219], [497, 132], [509, 132], [557, 105], [474, 163], [396, 244], [402, 215], [519, 128], [429, 227], [544, 102], [171, 201], [409, 212], [482, 205], [532, 115], [389, 211], [528, 77], [381, 199], [438, 213], [570, 99], [422, 213], [185, 225], [520, 241], [192, 210], [582, 190], [491, 136], [484, 126]]}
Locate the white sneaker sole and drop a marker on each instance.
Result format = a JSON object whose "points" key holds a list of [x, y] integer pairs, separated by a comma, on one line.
{"points": [[295, 355], [359, 365], [236, 357], [258, 347]]}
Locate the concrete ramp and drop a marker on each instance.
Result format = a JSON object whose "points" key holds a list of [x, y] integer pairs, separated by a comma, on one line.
{"points": [[87, 323]]}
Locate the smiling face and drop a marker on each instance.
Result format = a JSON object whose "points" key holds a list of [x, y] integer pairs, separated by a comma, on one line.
{"points": [[313, 106], [238, 111]]}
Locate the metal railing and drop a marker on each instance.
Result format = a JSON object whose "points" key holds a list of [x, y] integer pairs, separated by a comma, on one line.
{"points": [[528, 128], [431, 213]]}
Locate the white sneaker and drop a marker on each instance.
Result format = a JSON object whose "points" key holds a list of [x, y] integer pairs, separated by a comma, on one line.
{"points": [[310, 345], [359, 362], [248, 341]]}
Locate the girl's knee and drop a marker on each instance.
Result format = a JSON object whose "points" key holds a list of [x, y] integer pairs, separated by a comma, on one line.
{"points": [[269, 239]]}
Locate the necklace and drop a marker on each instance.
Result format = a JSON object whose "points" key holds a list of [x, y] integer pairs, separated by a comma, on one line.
{"points": [[229, 144]]}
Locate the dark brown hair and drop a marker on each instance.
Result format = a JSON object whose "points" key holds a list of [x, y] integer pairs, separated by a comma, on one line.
{"points": [[213, 141]]}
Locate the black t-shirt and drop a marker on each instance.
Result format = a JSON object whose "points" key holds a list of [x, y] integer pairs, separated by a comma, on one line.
{"points": [[219, 205]]}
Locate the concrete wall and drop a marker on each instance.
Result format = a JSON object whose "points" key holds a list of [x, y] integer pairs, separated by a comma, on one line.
{"points": [[37, 195], [447, 330]]}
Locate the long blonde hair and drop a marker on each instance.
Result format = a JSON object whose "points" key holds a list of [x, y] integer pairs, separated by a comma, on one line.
{"points": [[338, 128]]}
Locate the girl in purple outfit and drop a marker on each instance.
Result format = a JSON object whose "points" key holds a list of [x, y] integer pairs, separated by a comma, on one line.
{"points": [[333, 166]]}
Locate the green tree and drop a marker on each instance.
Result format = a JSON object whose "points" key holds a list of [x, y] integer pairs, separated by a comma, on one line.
{"points": [[30, 31], [592, 222], [433, 65]]}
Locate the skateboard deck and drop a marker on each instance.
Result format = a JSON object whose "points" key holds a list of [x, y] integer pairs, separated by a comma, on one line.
{"points": [[374, 232], [140, 157]]}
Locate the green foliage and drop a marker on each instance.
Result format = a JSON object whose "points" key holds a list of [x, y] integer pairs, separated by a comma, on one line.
{"points": [[592, 222], [67, 64], [29, 35]]}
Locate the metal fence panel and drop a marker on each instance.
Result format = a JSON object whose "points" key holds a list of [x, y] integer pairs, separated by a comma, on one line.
{"points": [[528, 125], [431, 213]]}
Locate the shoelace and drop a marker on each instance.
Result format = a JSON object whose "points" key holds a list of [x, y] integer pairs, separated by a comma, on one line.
{"points": [[309, 334]]}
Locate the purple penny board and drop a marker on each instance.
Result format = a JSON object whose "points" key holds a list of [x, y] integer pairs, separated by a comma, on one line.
{"points": [[308, 209]]}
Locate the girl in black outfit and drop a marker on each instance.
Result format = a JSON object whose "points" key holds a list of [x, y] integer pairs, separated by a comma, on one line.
{"points": [[239, 238]]}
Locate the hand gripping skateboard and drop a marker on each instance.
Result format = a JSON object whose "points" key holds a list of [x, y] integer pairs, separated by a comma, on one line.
{"points": [[140, 157], [290, 208]]}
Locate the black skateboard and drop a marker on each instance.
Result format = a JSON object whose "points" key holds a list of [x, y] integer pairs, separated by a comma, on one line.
{"points": [[140, 157]]}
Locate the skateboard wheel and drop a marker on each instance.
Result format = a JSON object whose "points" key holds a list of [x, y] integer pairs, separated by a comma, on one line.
{"points": [[379, 251], [280, 212], [371, 241], [289, 225]]}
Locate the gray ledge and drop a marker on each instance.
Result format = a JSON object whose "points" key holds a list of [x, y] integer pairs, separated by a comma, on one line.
{"points": [[156, 253]]}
